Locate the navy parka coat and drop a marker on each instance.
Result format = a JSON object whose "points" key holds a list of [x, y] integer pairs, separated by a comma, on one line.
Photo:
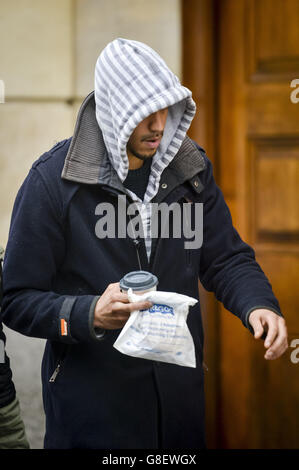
{"points": [[56, 268]]}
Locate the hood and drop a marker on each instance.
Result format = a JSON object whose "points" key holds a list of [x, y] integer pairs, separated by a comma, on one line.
{"points": [[131, 82]]}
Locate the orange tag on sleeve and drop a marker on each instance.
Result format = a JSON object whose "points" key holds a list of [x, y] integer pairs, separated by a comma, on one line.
{"points": [[63, 327]]}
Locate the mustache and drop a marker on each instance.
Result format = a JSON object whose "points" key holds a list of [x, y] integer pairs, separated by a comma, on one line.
{"points": [[156, 135]]}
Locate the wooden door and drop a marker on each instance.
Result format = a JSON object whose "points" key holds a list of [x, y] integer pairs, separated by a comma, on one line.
{"points": [[258, 53], [240, 58]]}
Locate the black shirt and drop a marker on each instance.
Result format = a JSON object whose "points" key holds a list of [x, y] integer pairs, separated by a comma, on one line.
{"points": [[137, 180]]}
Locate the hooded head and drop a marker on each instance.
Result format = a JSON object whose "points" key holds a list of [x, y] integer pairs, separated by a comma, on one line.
{"points": [[133, 82]]}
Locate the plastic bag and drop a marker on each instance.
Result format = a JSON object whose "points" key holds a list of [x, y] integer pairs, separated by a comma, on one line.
{"points": [[161, 332]]}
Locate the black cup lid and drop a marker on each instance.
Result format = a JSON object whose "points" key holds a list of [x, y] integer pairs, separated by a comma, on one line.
{"points": [[138, 280]]}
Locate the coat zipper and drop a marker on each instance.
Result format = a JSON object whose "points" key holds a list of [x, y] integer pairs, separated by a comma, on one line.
{"points": [[55, 373], [137, 245], [59, 365], [188, 255]]}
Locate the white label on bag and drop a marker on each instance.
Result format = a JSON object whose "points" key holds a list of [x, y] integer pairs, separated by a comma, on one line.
{"points": [[159, 333]]}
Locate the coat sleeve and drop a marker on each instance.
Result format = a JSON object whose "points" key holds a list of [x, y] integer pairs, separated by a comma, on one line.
{"points": [[34, 253], [227, 265], [12, 429]]}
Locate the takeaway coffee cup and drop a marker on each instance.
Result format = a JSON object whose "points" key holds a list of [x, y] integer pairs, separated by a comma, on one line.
{"points": [[139, 281]]}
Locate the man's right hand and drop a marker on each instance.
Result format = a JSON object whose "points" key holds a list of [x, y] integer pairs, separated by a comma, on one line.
{"points": [[113, 308]]}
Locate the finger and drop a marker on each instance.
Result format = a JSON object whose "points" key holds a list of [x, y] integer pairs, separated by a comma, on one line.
{"points": [[122, 297], [119, 297], [272, 332], [280, 344], [140, 305], [119, 307], [277, 349], [257, 327], [113, 287]]}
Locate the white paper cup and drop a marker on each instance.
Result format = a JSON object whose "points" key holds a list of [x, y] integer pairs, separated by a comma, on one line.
{"points": [[139, 281]]}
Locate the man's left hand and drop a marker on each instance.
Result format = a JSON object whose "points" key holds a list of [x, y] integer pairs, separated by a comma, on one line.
{"points": [[276, 342]]}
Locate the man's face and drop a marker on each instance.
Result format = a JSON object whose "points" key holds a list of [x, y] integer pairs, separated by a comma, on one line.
{"points": [[146, 138]]}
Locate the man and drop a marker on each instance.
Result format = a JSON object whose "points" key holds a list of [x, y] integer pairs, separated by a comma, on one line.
{"points": [[61, 276], [12, 431]]}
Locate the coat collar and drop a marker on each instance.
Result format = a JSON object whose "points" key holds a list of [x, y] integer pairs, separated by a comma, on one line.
{"points": [[87, 159]]}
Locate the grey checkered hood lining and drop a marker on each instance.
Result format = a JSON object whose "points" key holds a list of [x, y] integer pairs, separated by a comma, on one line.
{"points": [[131, 82]]}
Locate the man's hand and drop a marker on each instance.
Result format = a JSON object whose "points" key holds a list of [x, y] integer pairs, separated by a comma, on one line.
{"points": [[113, 308], [266, 321]]}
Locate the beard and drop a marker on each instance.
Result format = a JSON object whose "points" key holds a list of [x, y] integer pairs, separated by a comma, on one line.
{"points": [[141, 156]]}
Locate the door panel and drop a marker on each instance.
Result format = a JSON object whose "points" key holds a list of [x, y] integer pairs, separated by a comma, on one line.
{"points": [[259, 175]]}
